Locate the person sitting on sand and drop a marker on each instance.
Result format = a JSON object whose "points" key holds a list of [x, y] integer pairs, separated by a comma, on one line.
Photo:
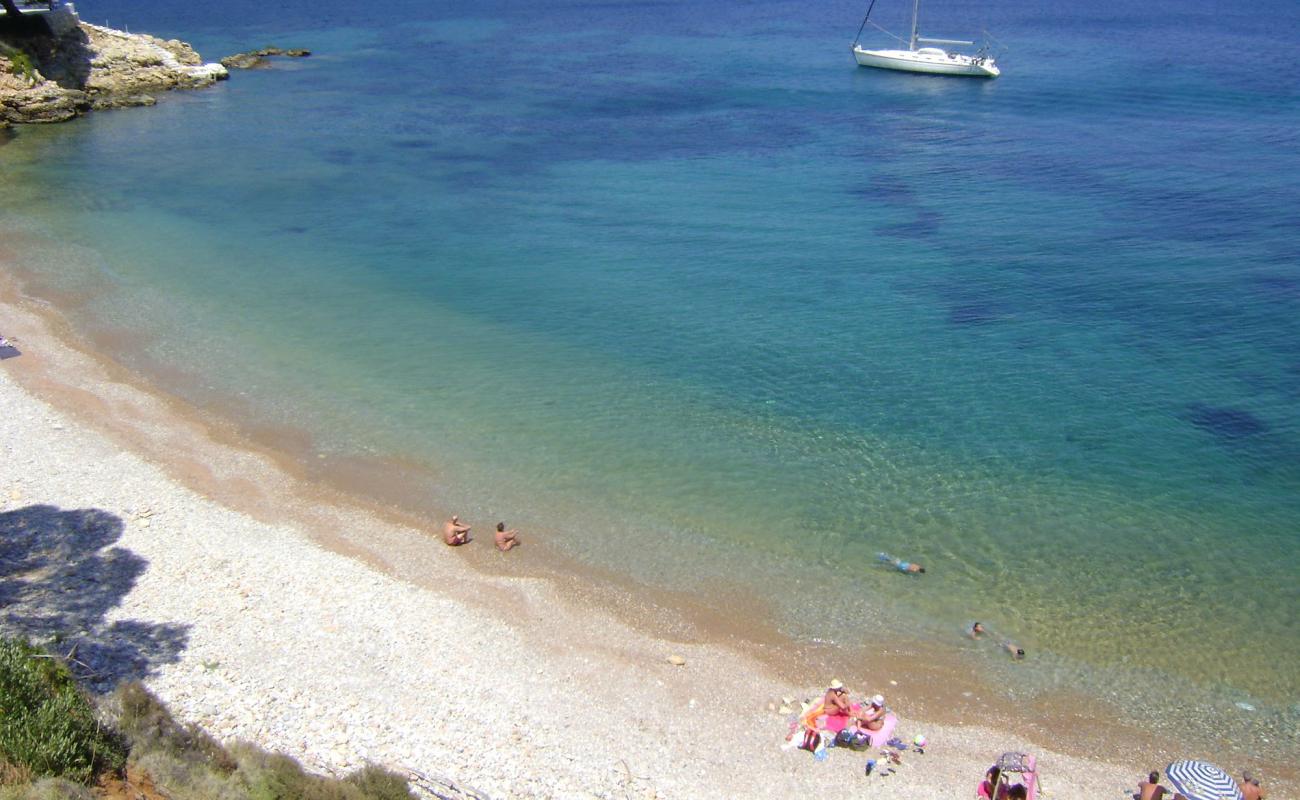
{"points": [[872, 717], [454, 533], [836, 702], [1150, 789], [506, 539], [907, 567], [976, 630], [1250, 787]]}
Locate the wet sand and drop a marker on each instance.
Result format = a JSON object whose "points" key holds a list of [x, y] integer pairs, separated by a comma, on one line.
{"points": [[708, 723]]}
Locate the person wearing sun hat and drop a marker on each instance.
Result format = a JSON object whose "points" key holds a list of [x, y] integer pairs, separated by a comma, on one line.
{"points": [[873, 716], [836, 701]]}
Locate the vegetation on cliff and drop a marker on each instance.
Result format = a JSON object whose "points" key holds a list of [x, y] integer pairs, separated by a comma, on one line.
{"points": [[55, 742]]}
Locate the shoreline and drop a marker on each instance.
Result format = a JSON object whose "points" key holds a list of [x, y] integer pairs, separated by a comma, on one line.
{"points": [[250, 489]]}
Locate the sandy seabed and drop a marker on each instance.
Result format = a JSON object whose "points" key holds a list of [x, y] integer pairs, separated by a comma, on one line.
{"points": [[262, 610]]}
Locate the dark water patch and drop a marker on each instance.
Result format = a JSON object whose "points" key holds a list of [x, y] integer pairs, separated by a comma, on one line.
{"points": [[471, 178], [413, 144], [975, 314], [924, 226], [340, 156], [884, 191], [1224, 422], [293, 229], [654, 102], [1276, 287], [445, 157]]}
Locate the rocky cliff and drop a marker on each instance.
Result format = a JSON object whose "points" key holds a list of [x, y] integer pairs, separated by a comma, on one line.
{"points": [[74, 67]]}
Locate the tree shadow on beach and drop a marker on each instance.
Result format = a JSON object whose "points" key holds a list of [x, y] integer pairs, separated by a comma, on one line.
{"points": [[59, 578]]}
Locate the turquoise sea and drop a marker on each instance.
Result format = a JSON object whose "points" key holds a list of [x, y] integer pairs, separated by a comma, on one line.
{"points": [[680, 289]]}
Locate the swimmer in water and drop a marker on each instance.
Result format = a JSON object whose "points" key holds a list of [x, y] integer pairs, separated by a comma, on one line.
{"points": [[976, 630], [1017, 653], [906, 567]]}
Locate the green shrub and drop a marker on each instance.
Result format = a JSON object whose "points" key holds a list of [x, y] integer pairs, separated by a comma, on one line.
{"points": [[20, 64], [149, 727], [47, 726], [49, 732], [377, 783], [269, 776], [186, 762]]}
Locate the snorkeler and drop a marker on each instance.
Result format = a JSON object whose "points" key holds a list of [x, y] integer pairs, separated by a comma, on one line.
{"points": [[906, 567]]}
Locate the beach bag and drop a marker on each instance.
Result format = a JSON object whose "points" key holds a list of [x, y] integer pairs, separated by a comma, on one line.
{"points": [[854, 740], [811, 738]]}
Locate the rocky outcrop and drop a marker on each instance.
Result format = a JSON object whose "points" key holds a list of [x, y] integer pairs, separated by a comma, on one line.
{"points": [[90, 67], [256, 59]]}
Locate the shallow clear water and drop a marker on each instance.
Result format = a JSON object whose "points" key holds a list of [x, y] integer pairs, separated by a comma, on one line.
{"points": [[679, 277]]}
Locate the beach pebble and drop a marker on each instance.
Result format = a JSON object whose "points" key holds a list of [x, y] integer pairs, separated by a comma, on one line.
{"points": [[676, 661], [1244, 706]]}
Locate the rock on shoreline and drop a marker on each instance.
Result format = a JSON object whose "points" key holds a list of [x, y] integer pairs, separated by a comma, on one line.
{"points": [[256, 59], [79, 67]]}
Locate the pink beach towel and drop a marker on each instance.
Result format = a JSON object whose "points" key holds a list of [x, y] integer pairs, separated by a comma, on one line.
{"points": [[837, 722], [878, 738]]}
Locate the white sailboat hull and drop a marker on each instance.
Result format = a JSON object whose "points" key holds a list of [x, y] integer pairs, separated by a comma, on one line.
{"points": [[928, 59]]}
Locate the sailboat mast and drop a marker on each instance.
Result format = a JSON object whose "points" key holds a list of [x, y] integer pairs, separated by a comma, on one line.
{"points": [[916, 8]]}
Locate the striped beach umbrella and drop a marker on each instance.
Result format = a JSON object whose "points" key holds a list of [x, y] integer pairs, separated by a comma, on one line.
{"points": [[1201, 780]]}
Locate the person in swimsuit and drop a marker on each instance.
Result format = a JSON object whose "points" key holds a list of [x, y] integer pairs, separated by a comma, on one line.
{"points": [[1016, 651], [990, 780], [506, 539], [1150, 789], [1250, 787], [906, 567], [873, 716], [454, 533], [836, 702], [976, 630]]}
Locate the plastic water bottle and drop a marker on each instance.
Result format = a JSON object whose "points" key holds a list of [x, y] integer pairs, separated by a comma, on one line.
{"points": [[871, 764]]}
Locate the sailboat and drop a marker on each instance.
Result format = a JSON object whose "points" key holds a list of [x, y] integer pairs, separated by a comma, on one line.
{"points": [[934, 60]]}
